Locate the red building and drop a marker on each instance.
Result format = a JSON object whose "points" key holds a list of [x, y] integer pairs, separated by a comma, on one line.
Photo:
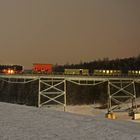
{"points": [[42, 68]]}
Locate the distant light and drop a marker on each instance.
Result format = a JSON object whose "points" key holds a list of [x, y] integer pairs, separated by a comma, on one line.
{"points": [[107, 71], [9, 71], [12, 71]]}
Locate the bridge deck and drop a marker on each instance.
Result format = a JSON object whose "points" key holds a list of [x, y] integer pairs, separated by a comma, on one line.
{"points": [[70, 77]]}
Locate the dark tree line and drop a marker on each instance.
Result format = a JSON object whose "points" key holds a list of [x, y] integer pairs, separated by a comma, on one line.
{"points": [[132, 63]]}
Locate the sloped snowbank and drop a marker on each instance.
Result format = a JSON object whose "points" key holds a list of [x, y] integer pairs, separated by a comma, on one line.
{"points": [[29, 123]]}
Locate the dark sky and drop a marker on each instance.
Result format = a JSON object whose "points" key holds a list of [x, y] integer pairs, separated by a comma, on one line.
{"points": [[62, 31]]}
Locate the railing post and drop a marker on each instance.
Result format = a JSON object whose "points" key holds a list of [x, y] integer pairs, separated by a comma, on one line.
{"points": [[65, 95], [109, 96], [39, 88]]}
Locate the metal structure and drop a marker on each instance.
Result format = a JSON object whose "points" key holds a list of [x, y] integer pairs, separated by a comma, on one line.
{"points": [[52, 88], [122, 92], [53, 91]]}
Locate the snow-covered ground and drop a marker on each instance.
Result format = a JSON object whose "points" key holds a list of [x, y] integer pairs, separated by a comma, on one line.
{"points": [[18, 122]]}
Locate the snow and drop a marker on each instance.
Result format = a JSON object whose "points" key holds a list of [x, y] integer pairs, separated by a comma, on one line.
{"points": [[19, 122]]}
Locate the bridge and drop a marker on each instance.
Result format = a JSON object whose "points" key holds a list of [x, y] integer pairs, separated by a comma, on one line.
{"points": [[118, 88]]}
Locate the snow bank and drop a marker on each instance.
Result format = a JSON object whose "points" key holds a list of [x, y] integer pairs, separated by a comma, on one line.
{"points": [[29, 123]]}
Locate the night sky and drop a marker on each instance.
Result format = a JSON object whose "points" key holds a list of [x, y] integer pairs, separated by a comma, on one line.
{"points": [[68, 31]]}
